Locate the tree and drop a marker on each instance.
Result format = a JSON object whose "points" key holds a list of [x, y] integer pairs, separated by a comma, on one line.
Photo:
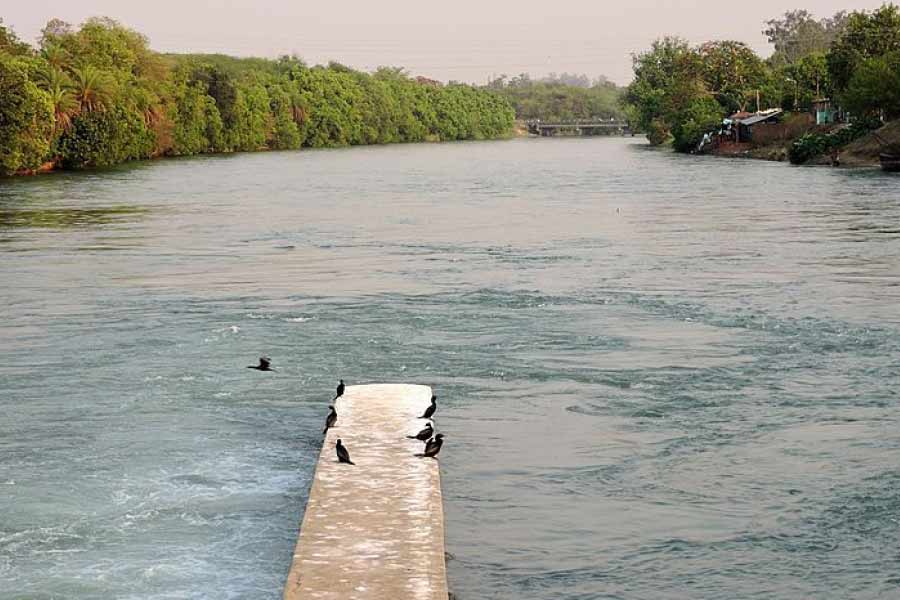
{"points": [[59, 88], [92, 87], [875, 87], [668, 78], [806, 80], [569, 79], [866, 36], [56, 57], [188, 113], [701, 116], [25, 118], [53, 31], [10, 43], [797, 33], [556, 98], [107, 137], [733, 73]]}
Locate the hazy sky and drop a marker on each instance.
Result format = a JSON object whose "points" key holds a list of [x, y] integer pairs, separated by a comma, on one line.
{"points": [[466, 40]]}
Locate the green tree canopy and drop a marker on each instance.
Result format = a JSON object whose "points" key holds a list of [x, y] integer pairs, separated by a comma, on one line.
{"points": [[733, 73], [866, 36], [668, 79], [875, 86], [805, 80], [25, 118]]}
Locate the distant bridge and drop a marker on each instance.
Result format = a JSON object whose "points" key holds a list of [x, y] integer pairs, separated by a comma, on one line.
{"points": [[578, 127]]}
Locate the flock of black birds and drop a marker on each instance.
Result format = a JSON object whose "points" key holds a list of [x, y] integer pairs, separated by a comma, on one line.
{"points": [[433, 442]]}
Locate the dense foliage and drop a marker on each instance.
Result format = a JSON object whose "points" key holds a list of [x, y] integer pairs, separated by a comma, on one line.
{"points": [[680, 91], [683, 91], [560, 97], [97, 95], [863, 62]]}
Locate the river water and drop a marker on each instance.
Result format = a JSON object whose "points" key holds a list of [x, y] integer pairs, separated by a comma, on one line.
{"points": [[660, 377]]}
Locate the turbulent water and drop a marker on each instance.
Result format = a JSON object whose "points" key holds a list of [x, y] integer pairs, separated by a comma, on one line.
{"points": [[660, 377]]}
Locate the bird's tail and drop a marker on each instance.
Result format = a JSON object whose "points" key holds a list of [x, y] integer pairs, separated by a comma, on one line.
{"points": [[324, 431], [350, 462], [420, 455], [412, 437]]}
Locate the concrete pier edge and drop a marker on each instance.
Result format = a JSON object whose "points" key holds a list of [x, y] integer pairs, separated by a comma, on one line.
{"points": [[373, 530]]}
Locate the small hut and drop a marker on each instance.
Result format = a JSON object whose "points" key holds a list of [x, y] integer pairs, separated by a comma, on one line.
{"points": [[743, 128], [824, 111]]}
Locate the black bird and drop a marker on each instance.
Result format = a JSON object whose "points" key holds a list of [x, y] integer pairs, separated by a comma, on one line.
{"points": [[434, 446], [423, 435], [430, 410], [342, 454], [340, 390], [265, 364], [330, 420]]}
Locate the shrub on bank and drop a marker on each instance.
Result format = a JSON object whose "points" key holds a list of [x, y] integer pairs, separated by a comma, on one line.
{"points": [[812, 145]]}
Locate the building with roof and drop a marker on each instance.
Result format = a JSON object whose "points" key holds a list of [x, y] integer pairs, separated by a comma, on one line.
{"points": [[743, 127]]}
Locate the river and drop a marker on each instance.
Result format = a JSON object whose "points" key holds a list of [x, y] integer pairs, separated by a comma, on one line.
{"points": [[660, 376]]}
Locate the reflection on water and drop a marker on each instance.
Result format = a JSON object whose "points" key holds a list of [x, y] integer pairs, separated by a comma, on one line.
{"points": [[60, 218], [660, 376]]}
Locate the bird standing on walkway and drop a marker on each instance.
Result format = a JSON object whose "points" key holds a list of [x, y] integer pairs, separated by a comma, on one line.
{"points": [[342, 454], [430, 410], [330, 420], [434, 446], [265, 364], [340, 390], [423, 435]]}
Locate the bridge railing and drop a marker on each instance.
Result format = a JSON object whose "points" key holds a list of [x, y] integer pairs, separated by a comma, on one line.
{"points": [[587, 127], [593, 122]]}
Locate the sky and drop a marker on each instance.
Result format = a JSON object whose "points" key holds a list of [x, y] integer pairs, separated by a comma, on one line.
{"points": [[462, 40]]}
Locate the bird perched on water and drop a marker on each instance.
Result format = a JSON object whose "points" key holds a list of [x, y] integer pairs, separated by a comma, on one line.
{"points": [[423, 435], [340, 390], [342, 454], [434, 446], [265, 364], [430, 410], [330, 420]]}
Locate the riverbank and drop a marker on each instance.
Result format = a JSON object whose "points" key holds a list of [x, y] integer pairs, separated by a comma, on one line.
{"points": [[861, 153], [78, 103], [50, 168], [55, 166], [865, 151]]}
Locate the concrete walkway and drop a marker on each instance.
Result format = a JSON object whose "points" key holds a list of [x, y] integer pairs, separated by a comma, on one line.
{"points": [[373, 530]]}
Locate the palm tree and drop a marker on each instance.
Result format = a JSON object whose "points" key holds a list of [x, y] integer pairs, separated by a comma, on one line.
{"points": [[93, 88], [58, 85], [56, 56], [148, 103]]}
